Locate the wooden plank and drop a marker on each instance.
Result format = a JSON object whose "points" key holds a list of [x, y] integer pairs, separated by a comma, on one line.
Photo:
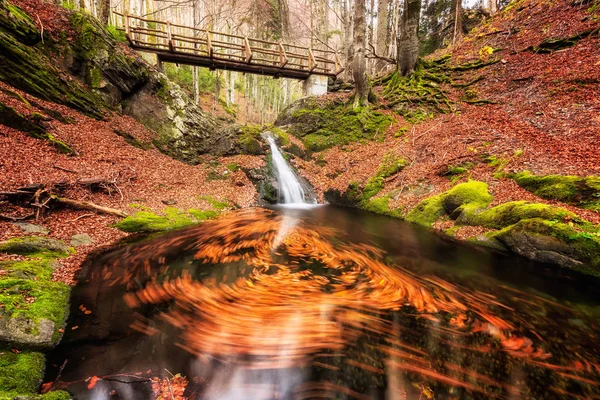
{"points": [[282, 56], [311, 60], [209, 44], [248, 50], [170, 40]]}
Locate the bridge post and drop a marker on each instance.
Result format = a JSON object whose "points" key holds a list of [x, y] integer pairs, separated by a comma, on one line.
{"points": [[315, 85]]}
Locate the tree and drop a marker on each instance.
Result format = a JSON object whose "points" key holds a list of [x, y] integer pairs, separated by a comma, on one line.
{"points": [[382, 33], [408, 39], [104, 11], [361, 80], [457, 15]]}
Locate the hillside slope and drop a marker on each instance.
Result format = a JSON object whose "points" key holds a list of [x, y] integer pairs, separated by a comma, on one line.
{"points": [[514, 103]]}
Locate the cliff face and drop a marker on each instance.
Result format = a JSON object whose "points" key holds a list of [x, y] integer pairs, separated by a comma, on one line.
{"points": [[85, 67]]}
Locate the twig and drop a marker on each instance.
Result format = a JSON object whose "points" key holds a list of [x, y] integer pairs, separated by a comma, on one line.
{"points": [[15, 219], [41, 26], [80, 217], [65, 169], [374, 55], [169, 387]]}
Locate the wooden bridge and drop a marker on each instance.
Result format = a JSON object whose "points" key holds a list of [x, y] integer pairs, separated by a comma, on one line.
{"points": [[217, 50]]}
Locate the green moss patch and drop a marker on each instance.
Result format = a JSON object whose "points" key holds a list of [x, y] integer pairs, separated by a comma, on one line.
{"points": [[21, 374], [582, 192], [171, 218], [333, 124], [36, 246], [555, 242], [464, 197], [34, 308], [249, 139]]}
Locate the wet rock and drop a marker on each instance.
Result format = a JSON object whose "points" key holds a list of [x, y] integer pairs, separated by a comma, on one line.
{"points": [[24, 331], [81, 239], [29, 245], [32, 228]]}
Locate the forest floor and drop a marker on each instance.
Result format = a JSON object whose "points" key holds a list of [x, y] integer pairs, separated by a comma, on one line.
{"points": [[541, 113], [143, 179]]}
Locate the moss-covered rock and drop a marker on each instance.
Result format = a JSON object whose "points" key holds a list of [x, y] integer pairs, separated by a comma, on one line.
{"points": [[35, 246], [324, 126], [465, 197], [582, 192], [172, 218], [30, 69], [512, 212], [553, 242], [21, 374], [34, 308]]}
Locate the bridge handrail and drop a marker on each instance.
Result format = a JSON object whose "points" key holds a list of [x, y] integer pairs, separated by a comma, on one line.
{"points": [[249, 50]]}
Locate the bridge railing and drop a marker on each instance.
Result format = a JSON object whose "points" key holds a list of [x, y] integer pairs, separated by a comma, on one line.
{"points": [[165, 36]]}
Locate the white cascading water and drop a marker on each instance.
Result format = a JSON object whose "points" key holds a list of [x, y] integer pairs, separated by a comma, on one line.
{"points": [[291, 191]]}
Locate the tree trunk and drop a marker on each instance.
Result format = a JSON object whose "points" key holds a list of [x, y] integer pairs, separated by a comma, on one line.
{"points": [[408, 39], [492, 6], [457, 12], [104, 12], [361, 80], [382, 33]]}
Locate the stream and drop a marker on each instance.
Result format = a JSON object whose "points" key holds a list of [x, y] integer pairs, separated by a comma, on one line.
{"points": [[329, 303]]}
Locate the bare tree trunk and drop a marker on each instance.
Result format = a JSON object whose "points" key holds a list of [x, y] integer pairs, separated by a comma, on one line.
{"points": [[361, 80], [408, 39], [457, 12], [382, 33], [104, 12], [492, 6]]}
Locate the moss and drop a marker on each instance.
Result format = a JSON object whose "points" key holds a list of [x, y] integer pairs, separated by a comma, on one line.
{"points": [[579, 191], [390, 165], [216, 204], [202, 215], [36, 246], [248, 139], [146, 221], [233, 167], [584, 247], [380, 206], [172, 218], [280, 135], [16, 21], [21, 373], [28, 68], [336, 124], [465, 197], [132, 140], [512, 212]]}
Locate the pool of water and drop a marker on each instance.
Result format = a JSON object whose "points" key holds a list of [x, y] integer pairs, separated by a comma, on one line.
{"points": [[326, 303]]}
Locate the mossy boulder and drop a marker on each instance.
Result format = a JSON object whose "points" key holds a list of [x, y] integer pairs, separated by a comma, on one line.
{"points": [[582, 192], [324, 126], [465, 197], [512, 212], [13, 19], [171, 218], [34, 308], [39, 246], [553, 242], [21, 374]]}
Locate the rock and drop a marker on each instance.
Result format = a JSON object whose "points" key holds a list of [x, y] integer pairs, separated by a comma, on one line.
{"points": [[184, 131], [24, 331], [29, 245], [81, 239], [32, 228], [169, 202]]}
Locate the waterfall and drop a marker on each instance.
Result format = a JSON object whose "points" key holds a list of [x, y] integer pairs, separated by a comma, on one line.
{"points": [[291, 191]]}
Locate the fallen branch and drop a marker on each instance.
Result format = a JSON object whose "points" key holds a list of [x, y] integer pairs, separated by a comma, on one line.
{"points": [[15, 219], [85, 205], [65, 169]]}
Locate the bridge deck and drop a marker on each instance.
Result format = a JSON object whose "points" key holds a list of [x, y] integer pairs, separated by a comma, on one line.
{"points": [[217, 50]]}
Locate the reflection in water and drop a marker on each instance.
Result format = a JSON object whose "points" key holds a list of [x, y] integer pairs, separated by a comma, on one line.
{"points": [[268, 306]]}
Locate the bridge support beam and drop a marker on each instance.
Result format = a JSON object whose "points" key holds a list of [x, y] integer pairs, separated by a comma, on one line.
{"points": [[315, 85]]}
